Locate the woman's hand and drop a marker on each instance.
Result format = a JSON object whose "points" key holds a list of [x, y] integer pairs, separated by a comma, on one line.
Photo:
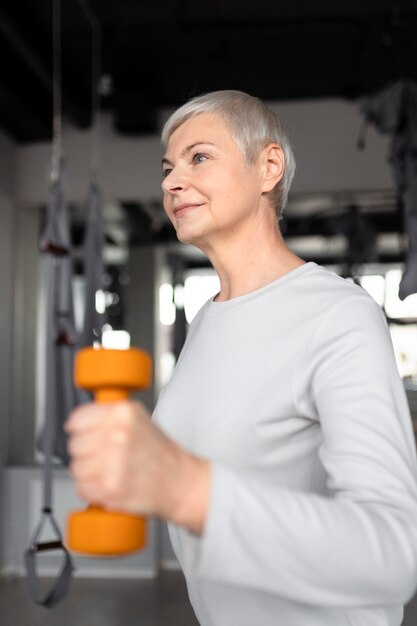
{"points": [[122, 461]]}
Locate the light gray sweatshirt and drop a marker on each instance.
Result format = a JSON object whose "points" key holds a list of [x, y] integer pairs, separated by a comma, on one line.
{"points": [[293, 393]]}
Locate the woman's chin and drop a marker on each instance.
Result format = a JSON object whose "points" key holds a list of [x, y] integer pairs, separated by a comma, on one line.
{"points": [[187, 235]]}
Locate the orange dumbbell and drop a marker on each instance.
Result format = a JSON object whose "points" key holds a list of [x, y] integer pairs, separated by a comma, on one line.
{"points": [[111, 375]]}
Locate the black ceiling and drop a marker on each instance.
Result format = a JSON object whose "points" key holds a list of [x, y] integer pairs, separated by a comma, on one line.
{"points": [[158, 53]]}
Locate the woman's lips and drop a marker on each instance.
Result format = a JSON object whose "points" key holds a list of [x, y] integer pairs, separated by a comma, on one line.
{"points": [[181, 209]]}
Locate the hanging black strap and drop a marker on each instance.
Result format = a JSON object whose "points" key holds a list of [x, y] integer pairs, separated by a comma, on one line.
{"points": [[62, 582]]}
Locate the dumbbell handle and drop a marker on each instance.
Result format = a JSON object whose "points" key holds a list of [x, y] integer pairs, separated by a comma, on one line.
{"points": [[110, 394]]}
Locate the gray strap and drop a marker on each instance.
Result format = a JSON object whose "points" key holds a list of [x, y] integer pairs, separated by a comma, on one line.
{"points": [[62, 582], [55, 235], [60, 398], [393, 112]]}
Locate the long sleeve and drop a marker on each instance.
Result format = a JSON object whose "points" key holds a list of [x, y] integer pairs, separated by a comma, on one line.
{"points": [[358, 546]]}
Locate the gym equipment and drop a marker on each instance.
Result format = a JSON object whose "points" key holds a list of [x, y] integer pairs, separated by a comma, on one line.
{"points": [[59, 390], [58, 349], [110, 375]]}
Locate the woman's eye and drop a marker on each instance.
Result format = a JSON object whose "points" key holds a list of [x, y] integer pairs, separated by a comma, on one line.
{"points": [[199, 157], [166, 172]]}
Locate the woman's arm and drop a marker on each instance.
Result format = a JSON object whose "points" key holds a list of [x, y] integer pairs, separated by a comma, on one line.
{"points": [[357, 548]]}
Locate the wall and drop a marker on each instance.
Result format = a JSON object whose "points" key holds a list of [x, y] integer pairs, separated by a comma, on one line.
{"points": [[7, 237], [324, 135], [26, 295]]}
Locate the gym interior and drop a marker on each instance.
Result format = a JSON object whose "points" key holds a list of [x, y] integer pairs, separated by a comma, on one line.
{"points": [[344, 212]]}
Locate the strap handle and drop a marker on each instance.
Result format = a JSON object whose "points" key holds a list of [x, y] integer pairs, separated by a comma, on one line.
{"points": [[62, 582]]}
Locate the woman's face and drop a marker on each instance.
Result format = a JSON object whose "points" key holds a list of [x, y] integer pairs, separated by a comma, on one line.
{"points": [[211, 195]]}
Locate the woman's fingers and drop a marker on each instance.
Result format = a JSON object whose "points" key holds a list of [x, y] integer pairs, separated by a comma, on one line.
{"points": [[121, 460], [106, 443]]}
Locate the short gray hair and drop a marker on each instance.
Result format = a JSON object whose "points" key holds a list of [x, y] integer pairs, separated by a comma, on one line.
{"points": [[252, 125]]}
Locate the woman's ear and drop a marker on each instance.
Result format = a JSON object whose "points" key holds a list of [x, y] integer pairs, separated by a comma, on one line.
{"points": [[274, 163]]}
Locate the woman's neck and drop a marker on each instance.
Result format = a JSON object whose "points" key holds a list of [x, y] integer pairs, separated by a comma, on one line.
{"points": [[247, 265]]}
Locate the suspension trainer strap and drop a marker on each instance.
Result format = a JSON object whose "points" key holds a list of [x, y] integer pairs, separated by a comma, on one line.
{"points": [[62, 582], [52, 274]]}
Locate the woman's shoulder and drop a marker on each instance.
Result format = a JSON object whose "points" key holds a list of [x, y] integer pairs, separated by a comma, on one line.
{"points": [[326, 286], [323, 299]]}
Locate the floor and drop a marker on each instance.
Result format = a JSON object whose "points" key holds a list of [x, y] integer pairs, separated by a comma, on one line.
{"points": [[103, 602], [160, 602]]}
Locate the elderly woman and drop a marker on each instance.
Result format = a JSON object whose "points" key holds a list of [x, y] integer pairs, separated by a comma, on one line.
{"points": [[281, 451]]}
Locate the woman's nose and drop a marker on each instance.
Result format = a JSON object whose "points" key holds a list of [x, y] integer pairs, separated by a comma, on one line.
{"points": [[175, 181]]}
